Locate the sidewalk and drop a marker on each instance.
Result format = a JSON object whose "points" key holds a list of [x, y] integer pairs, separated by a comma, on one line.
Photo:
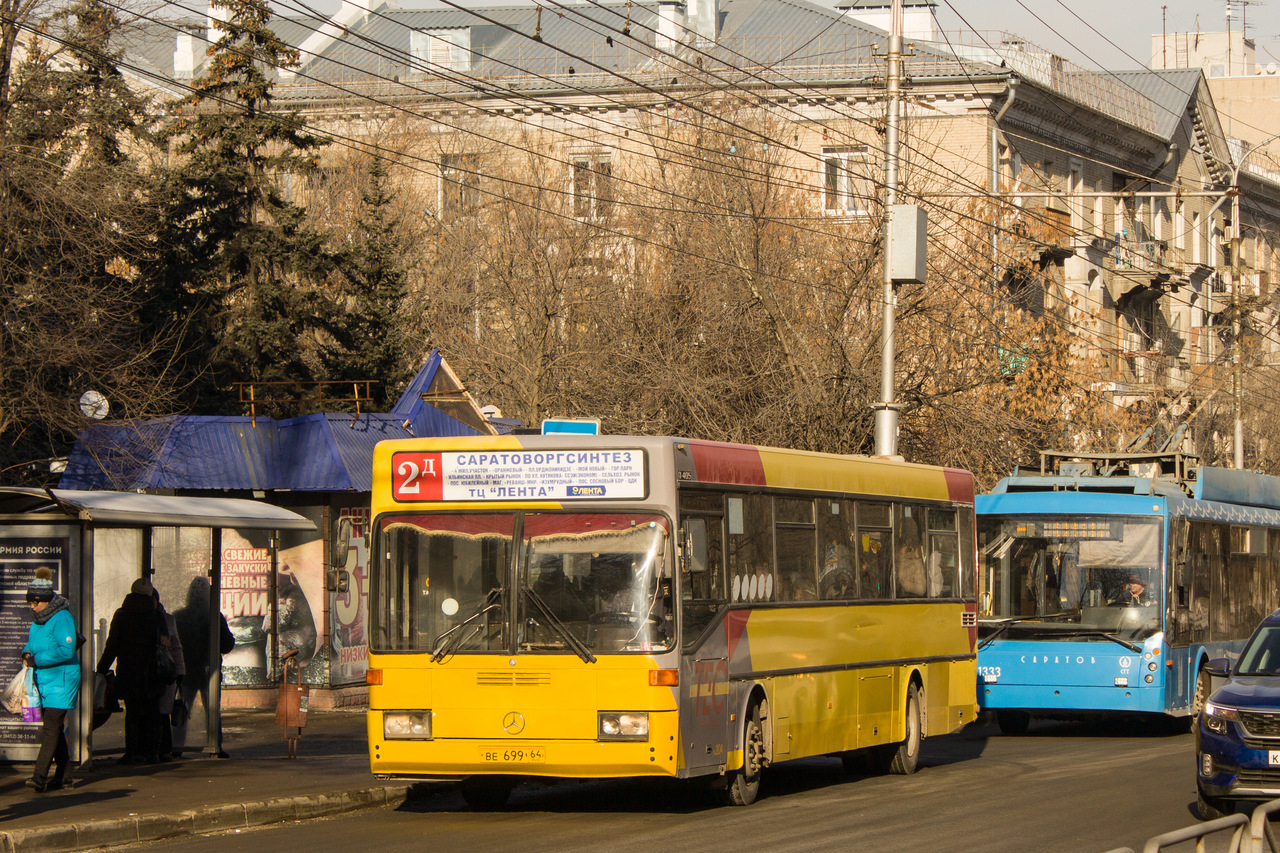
{"points": [[111, 804]]}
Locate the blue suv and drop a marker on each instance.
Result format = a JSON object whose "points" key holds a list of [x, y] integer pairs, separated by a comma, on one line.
{"points": [[1238, 734]]}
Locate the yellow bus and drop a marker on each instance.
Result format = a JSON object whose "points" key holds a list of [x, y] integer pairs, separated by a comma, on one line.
{"points": [[619, 606]]}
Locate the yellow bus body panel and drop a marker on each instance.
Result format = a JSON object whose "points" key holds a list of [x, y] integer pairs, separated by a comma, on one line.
{"points": [[557, 698]]}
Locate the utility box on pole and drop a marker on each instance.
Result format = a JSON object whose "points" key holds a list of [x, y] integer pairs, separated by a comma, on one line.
{"points": [[908, 227]]}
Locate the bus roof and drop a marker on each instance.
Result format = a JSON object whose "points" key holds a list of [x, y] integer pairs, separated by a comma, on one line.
{"points": [[704, 462]]}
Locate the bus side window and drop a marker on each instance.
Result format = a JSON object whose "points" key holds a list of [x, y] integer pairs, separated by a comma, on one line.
{"points": [[875, 553], [702, 585]]}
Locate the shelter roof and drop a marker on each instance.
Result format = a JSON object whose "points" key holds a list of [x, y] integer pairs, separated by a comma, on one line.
{"points": [[129, 509]]}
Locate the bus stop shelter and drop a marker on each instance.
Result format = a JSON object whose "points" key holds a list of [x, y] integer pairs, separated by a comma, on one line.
{"points": [[64, 530]]}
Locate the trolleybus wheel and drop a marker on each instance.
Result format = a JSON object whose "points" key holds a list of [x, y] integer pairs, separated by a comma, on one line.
{"points": [[1013, 722], [1201, 696], [1212, 808], [907, 754], [743, 784], [485, 793]]}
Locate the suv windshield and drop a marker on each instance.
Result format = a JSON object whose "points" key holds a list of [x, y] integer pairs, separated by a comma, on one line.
{"points": [[1079, 577], [1262, 655], [589, 582]]}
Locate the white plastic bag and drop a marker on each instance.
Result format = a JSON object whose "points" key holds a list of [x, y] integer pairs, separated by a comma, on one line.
{"points": [[16, 693]]}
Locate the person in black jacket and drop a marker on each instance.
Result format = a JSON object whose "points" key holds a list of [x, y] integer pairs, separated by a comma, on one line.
{"points": [[193, 630], [131, 646]]}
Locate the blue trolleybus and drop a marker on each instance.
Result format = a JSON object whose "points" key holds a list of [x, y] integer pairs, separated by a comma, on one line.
{"points": [[1108, 580]]}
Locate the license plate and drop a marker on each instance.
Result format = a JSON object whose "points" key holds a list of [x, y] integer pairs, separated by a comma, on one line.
{"points": [[1273, 757], [513, 755]]}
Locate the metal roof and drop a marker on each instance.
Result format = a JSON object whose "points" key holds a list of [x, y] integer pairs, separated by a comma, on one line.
{"points": [[129, 509], [1168, 92], [325, 451]]}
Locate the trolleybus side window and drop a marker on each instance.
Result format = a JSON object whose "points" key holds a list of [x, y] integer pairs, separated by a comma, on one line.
{"points": [[875, 553], [797, 565], [1205, 557], [836, 580], [750, 548]]}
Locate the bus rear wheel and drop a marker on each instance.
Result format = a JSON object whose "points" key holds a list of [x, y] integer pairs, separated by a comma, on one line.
{"points": [[906, 755], [743, 785], [485, 793]]}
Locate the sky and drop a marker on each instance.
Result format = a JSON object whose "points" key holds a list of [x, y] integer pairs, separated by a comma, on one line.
{"points": [[1123, 27], [1111, 34]]}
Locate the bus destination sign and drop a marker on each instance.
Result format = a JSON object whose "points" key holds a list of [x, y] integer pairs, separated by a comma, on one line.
{"points": [[519, 475]]}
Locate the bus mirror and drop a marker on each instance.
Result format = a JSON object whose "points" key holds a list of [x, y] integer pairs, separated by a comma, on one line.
{"points": [[341, 545], [339, 580]]}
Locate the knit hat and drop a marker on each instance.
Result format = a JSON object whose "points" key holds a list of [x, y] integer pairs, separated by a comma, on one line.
{"points": [[41, 588], [142, 586]]}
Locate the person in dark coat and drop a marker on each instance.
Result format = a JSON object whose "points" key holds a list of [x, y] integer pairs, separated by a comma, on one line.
{"points": [[51, 647], [131, 645], [193, 630]]}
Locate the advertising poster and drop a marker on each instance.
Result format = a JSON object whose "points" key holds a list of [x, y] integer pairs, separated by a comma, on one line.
{"points": [[301, 600], [19, 559], [349, 642], [246, 604]]}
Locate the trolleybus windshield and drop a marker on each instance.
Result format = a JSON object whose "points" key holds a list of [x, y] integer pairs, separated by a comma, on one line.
{"points": [[1079, 577], [588, 583]]}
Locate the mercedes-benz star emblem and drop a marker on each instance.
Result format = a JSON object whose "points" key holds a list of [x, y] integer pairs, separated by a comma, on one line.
{"points": [[513, 723]]}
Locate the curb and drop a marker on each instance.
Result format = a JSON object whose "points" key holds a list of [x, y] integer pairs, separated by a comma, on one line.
{"points": [[153, 827]]}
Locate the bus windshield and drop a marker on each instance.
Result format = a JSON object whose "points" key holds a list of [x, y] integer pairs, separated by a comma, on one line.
{"points": [[1091, 577], [586, 583]]}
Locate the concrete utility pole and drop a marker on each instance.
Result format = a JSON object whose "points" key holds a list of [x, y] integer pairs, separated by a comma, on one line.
{"points": [[887, 409], [1237, 270]]}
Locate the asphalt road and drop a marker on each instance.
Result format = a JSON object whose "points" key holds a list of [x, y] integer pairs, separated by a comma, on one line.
{"points": [[1084, 788]]}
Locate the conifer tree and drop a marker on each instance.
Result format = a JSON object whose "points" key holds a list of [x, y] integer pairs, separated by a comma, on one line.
{"points": [[238, 256]]}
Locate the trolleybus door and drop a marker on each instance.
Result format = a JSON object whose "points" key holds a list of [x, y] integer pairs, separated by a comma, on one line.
{"points": [[704, 709]]}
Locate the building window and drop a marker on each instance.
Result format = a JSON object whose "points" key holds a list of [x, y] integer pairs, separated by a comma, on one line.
{"points": [[434, 51], [459, 184], [592, 187], [847, 185], [1075, 186]]}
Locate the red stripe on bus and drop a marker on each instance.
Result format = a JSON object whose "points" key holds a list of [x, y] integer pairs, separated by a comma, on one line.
{"points": [[735, 625], [959, 484], [728, 463]]}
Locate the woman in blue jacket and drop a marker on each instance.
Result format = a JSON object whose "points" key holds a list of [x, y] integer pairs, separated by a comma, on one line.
{"points": [[51, 652]]}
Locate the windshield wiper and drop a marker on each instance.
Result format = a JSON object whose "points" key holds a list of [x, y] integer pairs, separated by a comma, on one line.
{"points": [[570, 638], [452, 638], [1103, 634], [1005, 624]]}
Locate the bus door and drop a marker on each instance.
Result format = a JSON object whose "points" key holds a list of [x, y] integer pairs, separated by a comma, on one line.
{"points": [[704, 664]]}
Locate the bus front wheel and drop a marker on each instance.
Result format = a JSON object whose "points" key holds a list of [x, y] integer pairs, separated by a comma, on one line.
{"points": [[743, 785], [906, 755], [1201, 695]]}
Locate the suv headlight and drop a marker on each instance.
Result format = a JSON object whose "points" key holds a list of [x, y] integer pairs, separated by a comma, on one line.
{"points": [[623, 725], [406, 725], [1216, 717]]}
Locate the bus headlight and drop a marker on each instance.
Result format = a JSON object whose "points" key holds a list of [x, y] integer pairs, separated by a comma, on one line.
{"points": [[406, 725], [623, 725], [1216, 717]]}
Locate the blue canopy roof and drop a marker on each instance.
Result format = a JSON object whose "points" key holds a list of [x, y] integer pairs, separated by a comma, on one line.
{"points": [[318, 452]]}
